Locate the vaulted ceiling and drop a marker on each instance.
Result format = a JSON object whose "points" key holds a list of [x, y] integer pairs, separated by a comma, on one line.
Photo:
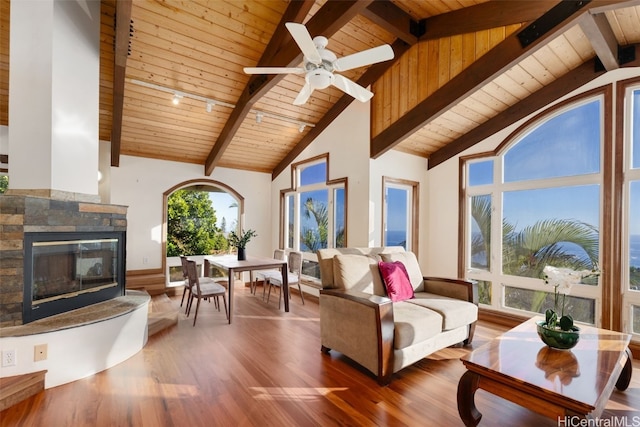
{"points": [[463, 69]]}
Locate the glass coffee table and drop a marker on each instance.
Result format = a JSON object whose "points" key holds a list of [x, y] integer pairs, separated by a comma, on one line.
{"points": [[519, 367]]}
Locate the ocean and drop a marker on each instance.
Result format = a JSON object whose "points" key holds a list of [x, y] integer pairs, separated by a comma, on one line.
{"points": [[634, 251], [396, 238]]}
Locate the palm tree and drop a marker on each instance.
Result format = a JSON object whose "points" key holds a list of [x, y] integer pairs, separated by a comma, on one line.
{"points": [[315, 238], [526, 252]]}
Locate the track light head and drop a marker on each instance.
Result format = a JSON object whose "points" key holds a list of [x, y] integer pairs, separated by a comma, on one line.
{"points": [[301, 128], [210, 105], [176, 98], [259, 117]]}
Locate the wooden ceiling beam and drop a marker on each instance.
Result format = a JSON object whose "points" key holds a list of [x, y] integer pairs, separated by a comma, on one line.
{"points": [[372, 74], [395, 20], [485, 16], [506, 54], [122, 35], [327, 21], [560, 87], [600, 34]]}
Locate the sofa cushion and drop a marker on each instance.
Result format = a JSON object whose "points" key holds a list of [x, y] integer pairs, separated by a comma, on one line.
{"points": [[454, 312], [411, 264], [325, 260], [414, 324], [358, 273], [396, 280]]}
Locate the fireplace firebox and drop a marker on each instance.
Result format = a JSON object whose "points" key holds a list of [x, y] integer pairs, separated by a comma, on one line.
{"points": [[68, 270]]}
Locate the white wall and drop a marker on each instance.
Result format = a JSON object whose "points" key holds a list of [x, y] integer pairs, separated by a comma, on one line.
{"points": [[54, 82], [139, 184], [442, 226], [347, 141]]}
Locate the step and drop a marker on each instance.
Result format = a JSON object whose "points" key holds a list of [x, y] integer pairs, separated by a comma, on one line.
{"points": [[163, 313], [20, 387]]}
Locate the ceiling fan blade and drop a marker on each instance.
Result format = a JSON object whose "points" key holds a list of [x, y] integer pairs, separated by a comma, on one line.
{"points": [[304, 94], [304, 41], [273, 70], [352, 88], [366, 57]]}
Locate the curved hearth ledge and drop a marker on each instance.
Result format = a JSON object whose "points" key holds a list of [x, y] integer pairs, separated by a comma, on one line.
{"points": [[81, 342]]}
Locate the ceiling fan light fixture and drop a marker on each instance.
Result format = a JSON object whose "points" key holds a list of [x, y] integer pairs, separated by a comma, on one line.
{"points": [[319, 78]]}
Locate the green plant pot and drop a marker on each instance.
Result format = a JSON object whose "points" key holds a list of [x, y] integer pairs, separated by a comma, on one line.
{"points": [[556, 338]]}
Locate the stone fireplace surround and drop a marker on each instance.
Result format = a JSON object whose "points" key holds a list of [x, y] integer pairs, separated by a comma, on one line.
{"points": [[43, 211], [81, 342]]}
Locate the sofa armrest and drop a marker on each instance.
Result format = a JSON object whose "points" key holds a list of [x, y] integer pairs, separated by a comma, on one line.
{"points": [[360, 326], [453, 288]]}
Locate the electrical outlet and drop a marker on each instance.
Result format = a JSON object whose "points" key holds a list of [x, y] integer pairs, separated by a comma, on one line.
{"points": [[40, 352], [8, 358]]}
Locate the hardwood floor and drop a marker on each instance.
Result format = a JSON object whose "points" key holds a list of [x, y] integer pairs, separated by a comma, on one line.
{"points": [[266, 369]]}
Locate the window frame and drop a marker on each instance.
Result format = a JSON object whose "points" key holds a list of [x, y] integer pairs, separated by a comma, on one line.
{"points": [[626, 298], [601, 294], [413, 210], [295, 191]]}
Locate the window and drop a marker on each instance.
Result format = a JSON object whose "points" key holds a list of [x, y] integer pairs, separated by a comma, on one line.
{"points": [[399, 225], [314, 212], [199, 216], [537, 203], [631, 244]]}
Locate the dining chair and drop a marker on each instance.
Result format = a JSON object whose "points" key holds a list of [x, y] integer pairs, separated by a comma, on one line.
{"points": [[264, 274], [187, 285], [293, 276], [222, 280], [200, 291]]}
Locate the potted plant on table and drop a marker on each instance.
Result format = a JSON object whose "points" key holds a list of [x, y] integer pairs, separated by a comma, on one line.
{"points": [[558, 330], [240, 240]]}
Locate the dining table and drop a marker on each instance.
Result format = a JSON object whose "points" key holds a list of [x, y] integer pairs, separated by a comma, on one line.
{"points": [[231, 264]]}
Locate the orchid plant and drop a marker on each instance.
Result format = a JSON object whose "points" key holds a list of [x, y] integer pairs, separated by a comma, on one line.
{"points": [[562, 279]]}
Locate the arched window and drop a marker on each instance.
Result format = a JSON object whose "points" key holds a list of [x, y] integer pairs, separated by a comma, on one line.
{"points": [[537, 201], [198, 215]]}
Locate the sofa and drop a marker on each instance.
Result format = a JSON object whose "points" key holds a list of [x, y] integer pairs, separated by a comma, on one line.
{"points": [[359, 320]]}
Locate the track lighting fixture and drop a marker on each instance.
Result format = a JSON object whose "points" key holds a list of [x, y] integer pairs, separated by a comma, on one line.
{"points": [[210, 103]]}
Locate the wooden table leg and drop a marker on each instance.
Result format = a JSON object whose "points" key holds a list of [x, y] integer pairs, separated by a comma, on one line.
{"points": [[625, 375], [466, 399], [285, 286], [230, 292]]}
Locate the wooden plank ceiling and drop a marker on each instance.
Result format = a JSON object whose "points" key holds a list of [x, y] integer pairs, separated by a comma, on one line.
{"points": [[460, 72]]}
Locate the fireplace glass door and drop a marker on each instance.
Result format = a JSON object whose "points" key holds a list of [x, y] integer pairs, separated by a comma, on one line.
{"points": [[68, 272]]}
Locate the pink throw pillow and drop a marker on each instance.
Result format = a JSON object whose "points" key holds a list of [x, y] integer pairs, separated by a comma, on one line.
{"points": [[396, 280]]}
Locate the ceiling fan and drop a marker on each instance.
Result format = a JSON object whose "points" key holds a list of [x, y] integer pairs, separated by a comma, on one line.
{"points": [[320, 63]]}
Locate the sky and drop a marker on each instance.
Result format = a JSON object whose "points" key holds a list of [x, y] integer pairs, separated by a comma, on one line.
{"points": [[564, 146], [221, 203]]}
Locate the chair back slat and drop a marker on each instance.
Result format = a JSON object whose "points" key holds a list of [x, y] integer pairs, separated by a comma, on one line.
{"points": [[295, 262], [279, 254], [192, 275]]}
